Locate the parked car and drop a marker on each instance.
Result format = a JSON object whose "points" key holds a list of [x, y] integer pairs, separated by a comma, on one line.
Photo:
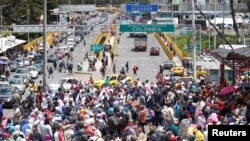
{"points": [[22, 71], [39, 68], [178, 70], [39, 57], [51, 58], [38, 62], [168, 64], [201, 71], [40, 46], [6, 94], [31, 55], [26, 61], [20, 62], [22, 76], [19, 83], [32, 72], [13, 65], [154, 50]]}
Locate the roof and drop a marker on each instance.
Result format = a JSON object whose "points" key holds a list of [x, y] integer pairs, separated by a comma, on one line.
{"points": [[9, 42], [211, 65], [238, 57]]}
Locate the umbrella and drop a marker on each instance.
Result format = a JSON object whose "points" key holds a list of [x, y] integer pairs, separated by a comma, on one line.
{"points": [[227, 90], [2, 63]]}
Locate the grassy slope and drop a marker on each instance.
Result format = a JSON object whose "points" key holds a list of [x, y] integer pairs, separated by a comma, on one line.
{"points": [[182, 40]]}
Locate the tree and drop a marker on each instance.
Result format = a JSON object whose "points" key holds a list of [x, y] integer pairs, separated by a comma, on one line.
{"points": [[235, 26], [248, 5]]}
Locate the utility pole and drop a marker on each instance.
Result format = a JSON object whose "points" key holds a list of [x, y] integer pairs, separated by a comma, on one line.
{"points": [[223, 22], [215, 34], [45, 45], [193, 45]]}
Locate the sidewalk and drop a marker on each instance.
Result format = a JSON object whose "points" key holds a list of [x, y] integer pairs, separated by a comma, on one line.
{"points": [[96, 74]]}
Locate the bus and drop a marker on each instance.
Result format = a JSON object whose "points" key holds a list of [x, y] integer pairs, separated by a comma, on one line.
{"points": [[140, 40], [202, 22]]}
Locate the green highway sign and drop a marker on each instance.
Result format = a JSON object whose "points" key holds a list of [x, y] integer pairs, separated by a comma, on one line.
{"points": [[96, 47], [146, 28]]}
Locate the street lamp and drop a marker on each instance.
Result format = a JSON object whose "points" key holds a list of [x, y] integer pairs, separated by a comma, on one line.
{"points": [[2, 14]]}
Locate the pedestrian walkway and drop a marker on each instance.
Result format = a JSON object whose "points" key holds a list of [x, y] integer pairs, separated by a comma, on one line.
{"points": [[97, 74]]}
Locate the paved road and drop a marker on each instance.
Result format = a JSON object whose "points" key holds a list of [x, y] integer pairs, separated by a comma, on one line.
{"points": [[148, 65], [78, 54]]}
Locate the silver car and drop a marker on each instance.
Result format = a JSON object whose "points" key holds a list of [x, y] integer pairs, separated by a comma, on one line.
{"points": [[22, 76], [23, 71], [19, 83], [26, 61], [13, 66], [20, 62]]}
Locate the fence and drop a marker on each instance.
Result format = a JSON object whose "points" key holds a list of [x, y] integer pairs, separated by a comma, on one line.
{"points": [[178, 52], [165, 48]]}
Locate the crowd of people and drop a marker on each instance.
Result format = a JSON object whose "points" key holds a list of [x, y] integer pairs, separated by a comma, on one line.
{"points": [[129, 111]]}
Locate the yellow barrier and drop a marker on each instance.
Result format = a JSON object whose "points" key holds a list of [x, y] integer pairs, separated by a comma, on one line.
{"points": [[165, 48], [178, 52], [98, 38], [33, 44], [100, 55], [115, 44]]}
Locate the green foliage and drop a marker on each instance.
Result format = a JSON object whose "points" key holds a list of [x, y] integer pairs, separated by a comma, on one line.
{"points": [[182, 41]]}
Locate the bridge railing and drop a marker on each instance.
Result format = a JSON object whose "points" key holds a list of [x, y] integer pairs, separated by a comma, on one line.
{"points": [[165, 48]]}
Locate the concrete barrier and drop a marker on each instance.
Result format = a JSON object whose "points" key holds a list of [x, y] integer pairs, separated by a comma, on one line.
{"points": [[164, 47], [178, 52], [115, 43]]}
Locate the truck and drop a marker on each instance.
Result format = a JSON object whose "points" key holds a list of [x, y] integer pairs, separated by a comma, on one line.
{"points": [[140, 41]]}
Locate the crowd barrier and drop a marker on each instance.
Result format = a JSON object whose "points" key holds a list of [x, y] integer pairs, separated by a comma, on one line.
{"points": [[178, 52], [165, 48]]}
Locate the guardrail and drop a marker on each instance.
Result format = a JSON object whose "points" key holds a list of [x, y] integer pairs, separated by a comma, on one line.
{"points": [[100, 55], [165, 48], [33, 44], [98, 38], [115, 44], [178, 52]]}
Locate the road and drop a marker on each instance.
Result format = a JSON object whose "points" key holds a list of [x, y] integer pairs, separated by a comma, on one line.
{"points": [[78, 54], [148, 65]]}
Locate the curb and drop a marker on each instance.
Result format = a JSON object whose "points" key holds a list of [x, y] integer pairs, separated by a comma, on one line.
{"points": [[82, 72]]}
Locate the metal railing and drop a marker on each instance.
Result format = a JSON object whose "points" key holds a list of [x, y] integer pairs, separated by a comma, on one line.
{"points": [[34, 44], [178, 52], [164, 47]]}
